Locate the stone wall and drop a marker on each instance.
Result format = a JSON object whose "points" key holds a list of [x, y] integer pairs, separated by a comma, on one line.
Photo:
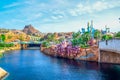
{"points": [[89, 54], [109, 57]]}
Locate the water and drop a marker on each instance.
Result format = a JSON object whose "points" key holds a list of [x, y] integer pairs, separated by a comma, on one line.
{"points": [[33, 65]]}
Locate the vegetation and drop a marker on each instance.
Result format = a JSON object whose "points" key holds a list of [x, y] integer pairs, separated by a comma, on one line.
{"points": [[6, 45], [1, 55], [21, 38], [9, 37], [61, 39], [76, 35], [2, 37], [117, 35], [45, 44], [97, 36], [81, 40], [51, 37], [106, 38]]}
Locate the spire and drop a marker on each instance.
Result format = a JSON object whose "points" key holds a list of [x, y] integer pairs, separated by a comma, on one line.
{"points": [[88, 27], [88, 24], [91, 23]]}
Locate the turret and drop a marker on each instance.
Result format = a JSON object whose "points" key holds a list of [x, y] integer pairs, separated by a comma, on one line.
{"points": [[88, 27]]}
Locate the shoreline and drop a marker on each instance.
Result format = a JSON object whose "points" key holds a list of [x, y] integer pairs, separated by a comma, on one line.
{"points": [[9, 49], [88, 54], [105, 56]]}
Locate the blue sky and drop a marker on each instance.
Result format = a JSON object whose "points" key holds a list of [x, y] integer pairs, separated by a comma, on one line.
{"points": [[59, 15]]}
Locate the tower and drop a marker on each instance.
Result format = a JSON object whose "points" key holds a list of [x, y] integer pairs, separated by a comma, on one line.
{"points": [[92, 29], [91, 26], [88, 27], [107, 29]]}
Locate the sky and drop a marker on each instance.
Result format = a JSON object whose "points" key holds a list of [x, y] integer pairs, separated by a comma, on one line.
{"points": [[60, 15]]}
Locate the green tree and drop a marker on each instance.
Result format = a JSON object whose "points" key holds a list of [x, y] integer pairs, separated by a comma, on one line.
{"points": [[106, 38], [86, 37], [75, 42], [61, 39], [81, 40], [117, 35], [97, 36], [45, 44], [2, 37], [76, 35], [51, 37]]}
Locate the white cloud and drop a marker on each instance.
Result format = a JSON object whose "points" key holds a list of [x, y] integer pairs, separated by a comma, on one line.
{"points": [[41, 12], [12, 5], [83, 8], [54, 17], [73, 12], [100, 6]]}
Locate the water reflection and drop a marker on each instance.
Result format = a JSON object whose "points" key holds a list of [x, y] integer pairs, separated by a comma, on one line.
{"points": [[33, 65], [104, 71]]}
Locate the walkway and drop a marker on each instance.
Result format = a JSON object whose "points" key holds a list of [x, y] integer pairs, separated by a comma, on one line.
{"points": [[113, 45]]}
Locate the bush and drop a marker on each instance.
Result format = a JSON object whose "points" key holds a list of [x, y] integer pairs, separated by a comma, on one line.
{"points": [[117, 35], [6, 44], [45, 44], [106, 37]]}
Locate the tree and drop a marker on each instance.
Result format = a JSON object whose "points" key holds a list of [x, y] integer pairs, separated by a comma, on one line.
{"points": [[97, 36], [51, 37], [61, 39], [106, 38], [81, 40], [45, 44], [21, 38], [2, 37], [76, 35], [117, 35], [86, 37]]}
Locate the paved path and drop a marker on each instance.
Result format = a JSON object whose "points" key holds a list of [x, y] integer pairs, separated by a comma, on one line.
{"points": [[113, 45]]}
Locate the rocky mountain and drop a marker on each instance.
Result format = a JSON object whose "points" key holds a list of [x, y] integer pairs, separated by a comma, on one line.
{"points": [[30, 30]]}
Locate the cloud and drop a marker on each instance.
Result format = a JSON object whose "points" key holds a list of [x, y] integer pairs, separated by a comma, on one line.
{"points": [[42, 12], [83, 8], [57, 17], [12, 5]]}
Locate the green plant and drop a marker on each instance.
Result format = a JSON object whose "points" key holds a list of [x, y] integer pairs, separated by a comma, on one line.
{"points": [[81, 40], [45, 44], [97, 36], [61, 39], [6, 44], [51, 37], [2, 37], [75, 42], [1, 55], [76, 35], [21, 38], [106, 38], [9, 37], [57, 41], [117, 35]]}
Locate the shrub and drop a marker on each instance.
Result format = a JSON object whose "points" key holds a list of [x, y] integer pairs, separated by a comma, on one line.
{"points": [[117, 35], [6, 44], [45, 44]]}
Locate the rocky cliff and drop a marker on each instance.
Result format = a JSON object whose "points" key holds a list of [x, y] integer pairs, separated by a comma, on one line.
{"points": [[30, 30]]}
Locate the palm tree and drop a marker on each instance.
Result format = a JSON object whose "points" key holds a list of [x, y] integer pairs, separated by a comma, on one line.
{"points": [[106, 38], [76, 35], [97, 36]]}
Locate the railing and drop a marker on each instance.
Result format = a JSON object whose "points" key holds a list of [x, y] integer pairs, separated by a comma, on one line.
{"points": [[113, 45]]}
